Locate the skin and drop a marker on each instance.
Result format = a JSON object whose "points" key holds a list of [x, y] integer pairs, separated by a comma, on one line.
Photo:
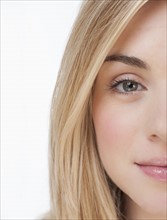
{"points": [[131, 126]]}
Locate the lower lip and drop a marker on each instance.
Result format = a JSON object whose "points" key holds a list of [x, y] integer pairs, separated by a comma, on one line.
{"points": [[156, 172]]}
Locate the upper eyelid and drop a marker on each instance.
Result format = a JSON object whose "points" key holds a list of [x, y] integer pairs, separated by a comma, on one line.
{"points": [[131, 76], [127, 74]]}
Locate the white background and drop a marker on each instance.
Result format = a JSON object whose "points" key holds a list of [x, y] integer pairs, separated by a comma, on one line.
{"points": [[33, 37]]}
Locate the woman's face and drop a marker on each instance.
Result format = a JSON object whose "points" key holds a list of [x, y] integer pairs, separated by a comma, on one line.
{"points": [[129, 113]]}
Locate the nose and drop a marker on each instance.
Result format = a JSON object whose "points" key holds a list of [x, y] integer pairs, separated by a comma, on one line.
{"points": [[158, 116]]}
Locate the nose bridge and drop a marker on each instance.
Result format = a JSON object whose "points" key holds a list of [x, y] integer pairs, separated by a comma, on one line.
{"points": [[159, 112], [162, 102]]}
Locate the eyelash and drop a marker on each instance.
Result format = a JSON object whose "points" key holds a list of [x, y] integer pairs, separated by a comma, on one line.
{"points": [[115, 83]]}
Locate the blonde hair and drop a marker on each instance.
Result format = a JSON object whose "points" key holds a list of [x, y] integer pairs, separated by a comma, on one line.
{"points": [[79, 186]]}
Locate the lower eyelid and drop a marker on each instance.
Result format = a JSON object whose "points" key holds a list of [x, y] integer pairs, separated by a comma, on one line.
{"points": [[128, 93], [134, 94]]}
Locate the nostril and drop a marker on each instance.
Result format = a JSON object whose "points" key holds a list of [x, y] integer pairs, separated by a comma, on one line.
{"points": [[153, 137]]}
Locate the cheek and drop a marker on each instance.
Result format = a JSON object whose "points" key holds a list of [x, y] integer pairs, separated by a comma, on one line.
{"points": [[114, 129], [117, 130]]}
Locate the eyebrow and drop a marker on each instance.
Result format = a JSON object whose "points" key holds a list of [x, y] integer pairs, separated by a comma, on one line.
{"points": [[129, 60]]}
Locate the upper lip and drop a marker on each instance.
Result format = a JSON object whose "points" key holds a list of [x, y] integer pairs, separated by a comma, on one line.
{"points": [[161, 162]]}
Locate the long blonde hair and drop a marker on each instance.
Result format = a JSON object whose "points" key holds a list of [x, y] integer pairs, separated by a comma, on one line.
{"points": [[79, 186]]}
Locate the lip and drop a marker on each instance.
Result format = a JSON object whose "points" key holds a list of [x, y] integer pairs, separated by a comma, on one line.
{"points": [[154, 168], [154, 162]]}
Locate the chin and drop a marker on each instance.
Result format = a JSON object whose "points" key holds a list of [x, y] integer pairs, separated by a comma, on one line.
{"points": [[150, 202], [156, 206]]}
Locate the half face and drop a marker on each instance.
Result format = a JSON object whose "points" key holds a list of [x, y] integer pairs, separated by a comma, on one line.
{"points": [[129, 113]]}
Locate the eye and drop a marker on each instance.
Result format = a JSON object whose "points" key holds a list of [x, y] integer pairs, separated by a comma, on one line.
{"points": [[126, 86]]}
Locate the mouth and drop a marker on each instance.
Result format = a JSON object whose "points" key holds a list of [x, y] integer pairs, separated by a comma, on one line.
{"points": [[154, 168]]}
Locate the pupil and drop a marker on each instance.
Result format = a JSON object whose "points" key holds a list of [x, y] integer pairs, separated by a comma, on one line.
{"points": [[129, 86]]}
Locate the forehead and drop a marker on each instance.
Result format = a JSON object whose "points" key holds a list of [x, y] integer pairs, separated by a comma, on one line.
{"points": [[146, 32], [153, 13]]}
